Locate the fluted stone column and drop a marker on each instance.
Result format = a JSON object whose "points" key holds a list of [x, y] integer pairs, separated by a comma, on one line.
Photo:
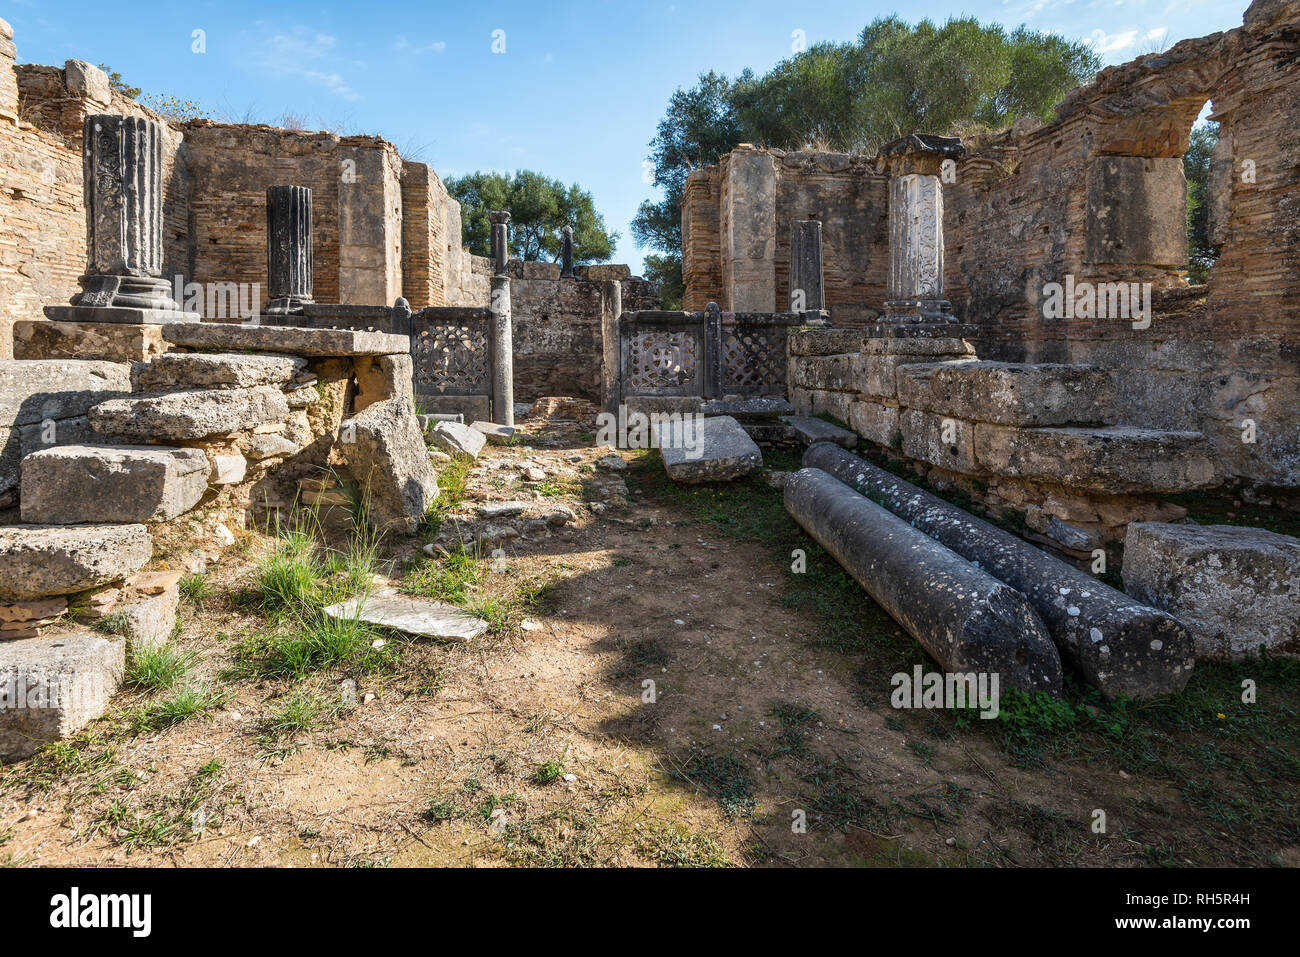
{"points": [[807, 294], [566, 253], [288, 249], [915, 165], [122, 165]]}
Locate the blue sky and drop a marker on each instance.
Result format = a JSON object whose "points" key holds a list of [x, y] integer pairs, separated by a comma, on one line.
{"points": [[576, 94]]}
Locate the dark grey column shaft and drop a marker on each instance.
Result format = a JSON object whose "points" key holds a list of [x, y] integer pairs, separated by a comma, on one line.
{"points": [[500, 241], [503, 368], [967, 620], [123, 183], [288, 246], [566, 252], [1120, 645], [806, 266]]}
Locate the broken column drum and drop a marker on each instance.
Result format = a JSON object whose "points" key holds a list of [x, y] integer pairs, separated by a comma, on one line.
{"points": [[122, 165], [1120, 645], [288, 248], [966, 619], [500, 241]]}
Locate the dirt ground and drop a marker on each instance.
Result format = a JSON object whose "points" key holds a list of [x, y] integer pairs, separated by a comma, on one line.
{"points": [[656, 699]]}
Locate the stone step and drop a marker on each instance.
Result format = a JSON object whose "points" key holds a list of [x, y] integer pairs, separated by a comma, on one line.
{"points": [[194, 370], [37, 561], [1010, 393], [292, 340], [74, 484], [60, 682], [1116, 460], [708, 450], [195, 414], [809, 430]]}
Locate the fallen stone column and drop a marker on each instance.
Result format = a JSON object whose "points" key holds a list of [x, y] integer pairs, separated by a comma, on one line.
{"points": [[1121, 646], [967, 620]]}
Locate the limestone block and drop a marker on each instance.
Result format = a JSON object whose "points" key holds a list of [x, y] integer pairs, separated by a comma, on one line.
{"points": [[54, 686], [33, 390], [1236, 589], [875, 422], [199, 370], [1115, 460], [808, 430], [178, 416], [941, 440], [383, 377], [715, 449], [496, 434], [836, 373], [148, 622], [1137, 211], [37, 561], [824, 342], [1023, 394], [456, 438], [835, 404], [288, 340], [388, 460], [87, 81], [109, 341], [414, 616], [71, 484], [228, 469]]}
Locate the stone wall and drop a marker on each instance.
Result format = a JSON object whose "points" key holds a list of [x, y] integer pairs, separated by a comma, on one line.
{"points": [[557, 325], [1098, 195]]}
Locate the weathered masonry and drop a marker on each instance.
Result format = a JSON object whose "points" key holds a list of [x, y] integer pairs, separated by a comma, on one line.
{"points": [[1093, 204], [382, 227]]}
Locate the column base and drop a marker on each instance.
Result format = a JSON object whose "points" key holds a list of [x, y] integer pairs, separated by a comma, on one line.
{"points": [[122, 315], [918, 310], [128, 292]]}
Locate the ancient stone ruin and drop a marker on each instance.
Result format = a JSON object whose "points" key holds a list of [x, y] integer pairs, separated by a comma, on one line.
{"points": [[1005, 394]]}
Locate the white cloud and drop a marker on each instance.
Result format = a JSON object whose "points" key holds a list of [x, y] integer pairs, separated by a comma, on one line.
{"points": [[1103, 42], [403, 45], [307, 55]]}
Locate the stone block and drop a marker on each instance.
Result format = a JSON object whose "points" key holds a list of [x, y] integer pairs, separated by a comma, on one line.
{"points": [[37, 561], [824, 342], [809, 430], [73, 484], [54, 686], [112, 342], [835, 404], [87, 81], [496, 434], [148, 621], [178, 416], [1236, 589], [456, 438], [33, 390], [876, 423], [475, 408], [1117, 460], [1011, 393], [289, 340], [228, 469], [941, 440], [200, 370], [413, 616], [387, 458], [383, 377], [1136, 211], [710, 450]]}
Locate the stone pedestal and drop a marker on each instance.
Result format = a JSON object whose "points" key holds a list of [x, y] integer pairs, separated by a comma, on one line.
{"points": [[288, 249], [916, 165], [122, 168], [807, 295]]}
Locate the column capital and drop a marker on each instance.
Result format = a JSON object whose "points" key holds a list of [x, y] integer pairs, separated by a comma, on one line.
{"points": [[922, 153]]}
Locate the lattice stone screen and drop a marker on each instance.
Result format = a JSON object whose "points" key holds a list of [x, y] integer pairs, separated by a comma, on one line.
{"points": [[703, 355]]}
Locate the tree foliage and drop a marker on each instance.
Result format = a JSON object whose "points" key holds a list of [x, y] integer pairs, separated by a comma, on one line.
{"points": [[539, 208], [1196, 168], [895, 79]]}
